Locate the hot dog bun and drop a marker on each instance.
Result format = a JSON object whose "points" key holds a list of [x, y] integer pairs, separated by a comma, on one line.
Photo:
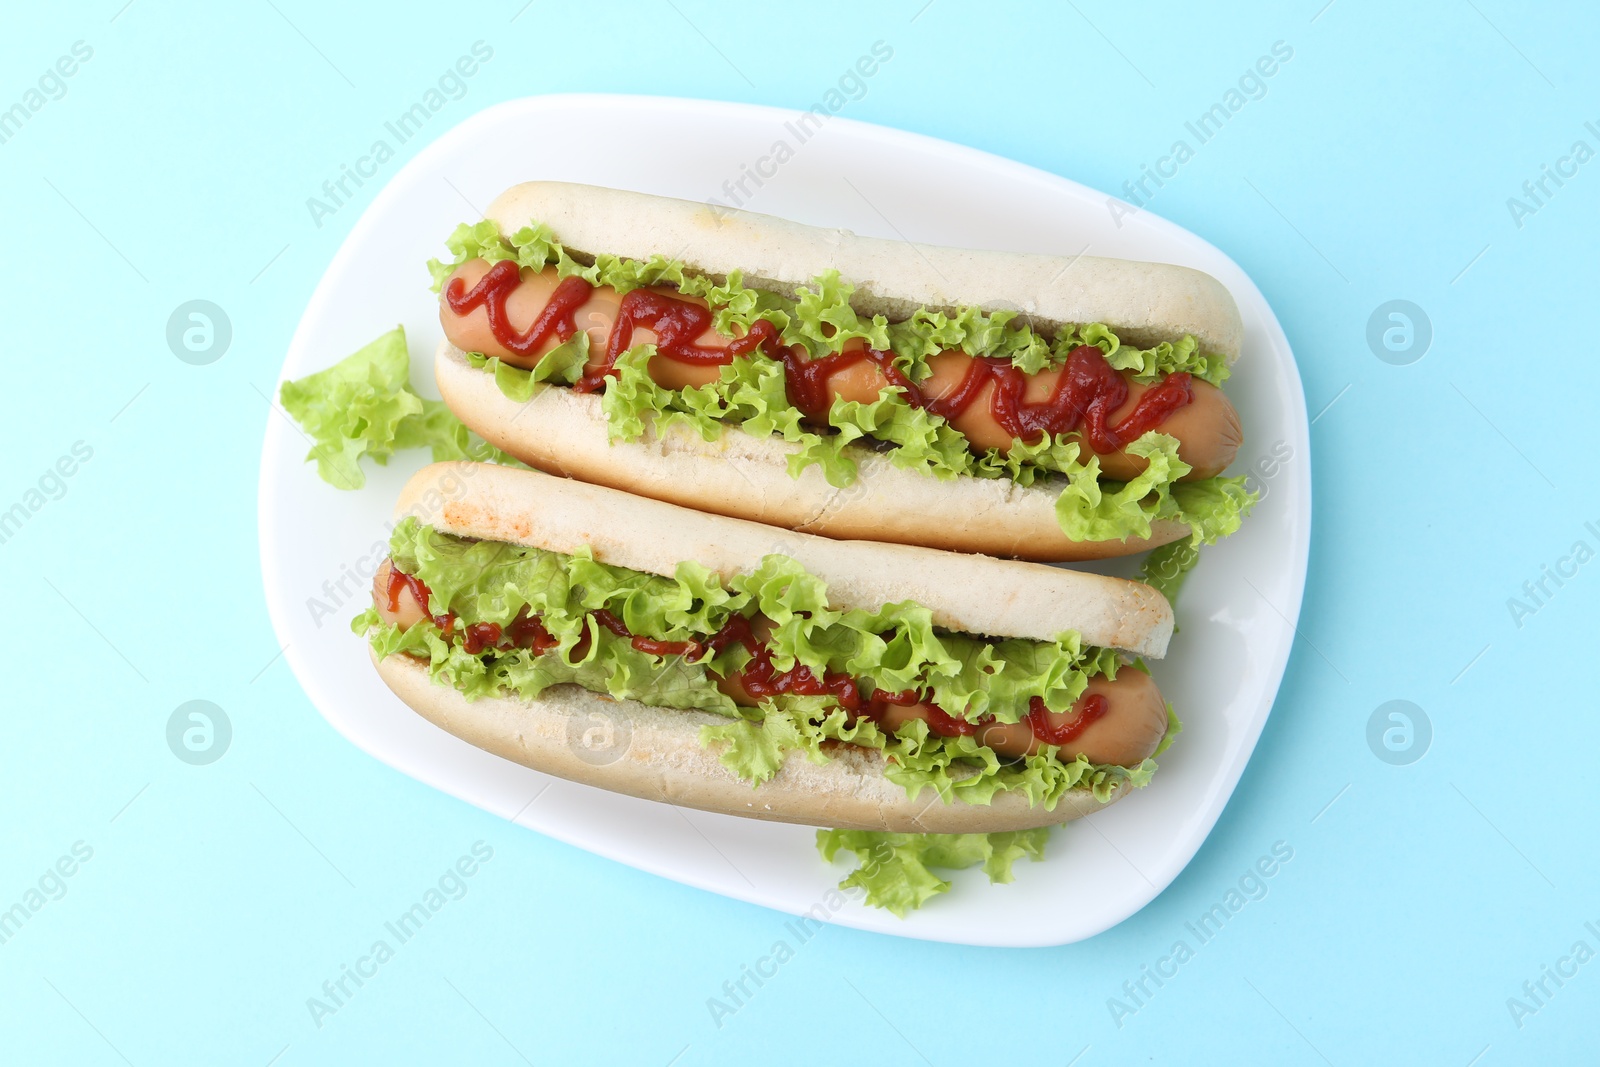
{"points": [[1146, 303], [746, 476], [968, 593], [661, 758]]}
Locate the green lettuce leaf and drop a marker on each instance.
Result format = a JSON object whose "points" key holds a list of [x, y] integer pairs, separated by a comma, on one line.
{"points": [[1091, 510], [1168, 357], [363, 406], [896, 872], [532, 246], [633, 403], [1174, 728], [825, 320], [895, 868], [1213, 508], [563, 364], [923, 442], [355, 408], [1165, 568]]}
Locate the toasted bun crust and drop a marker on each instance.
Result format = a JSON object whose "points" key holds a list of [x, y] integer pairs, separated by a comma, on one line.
{"points": [[747, 477], [655, 753], [1146, 303], [968, 593]]}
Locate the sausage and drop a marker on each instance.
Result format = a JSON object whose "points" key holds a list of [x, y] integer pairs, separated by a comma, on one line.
{"points": [[1132, 727], [471, 332], [1207, 428], [408, 609], [1129, 732]]}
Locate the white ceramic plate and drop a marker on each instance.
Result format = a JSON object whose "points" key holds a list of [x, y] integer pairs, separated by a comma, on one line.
{"points": [[319, 544]]}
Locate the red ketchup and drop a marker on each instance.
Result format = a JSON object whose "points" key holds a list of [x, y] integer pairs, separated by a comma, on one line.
{"points": [[939, 722], [495, 287], [1091, 709], [648, 645], [806, 380], [1087, 392], [479, 636], [678, 325], [761, 679], [399, 580], [525, 631]]}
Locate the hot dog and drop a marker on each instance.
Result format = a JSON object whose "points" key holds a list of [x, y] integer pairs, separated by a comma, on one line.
{"points": [[1032, 406], [761, 672]]}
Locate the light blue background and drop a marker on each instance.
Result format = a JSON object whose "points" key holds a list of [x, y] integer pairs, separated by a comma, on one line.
{"points": [[218, 899]]}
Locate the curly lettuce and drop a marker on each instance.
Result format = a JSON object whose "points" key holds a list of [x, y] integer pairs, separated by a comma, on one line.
{"points": [[363, 406], [895, 870]]}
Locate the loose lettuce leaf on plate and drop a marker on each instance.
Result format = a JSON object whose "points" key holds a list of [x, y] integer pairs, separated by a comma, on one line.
{"points": [[896, 872], [364, 406]]}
